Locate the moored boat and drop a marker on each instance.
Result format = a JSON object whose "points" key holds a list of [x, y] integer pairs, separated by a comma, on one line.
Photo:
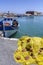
{"points": [[8, 26]]}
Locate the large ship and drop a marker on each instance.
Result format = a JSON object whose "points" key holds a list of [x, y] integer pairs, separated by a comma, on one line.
{"points": [[8, 26]]}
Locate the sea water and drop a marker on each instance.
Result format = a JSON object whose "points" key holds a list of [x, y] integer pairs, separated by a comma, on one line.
{"points": [[29, 26]]}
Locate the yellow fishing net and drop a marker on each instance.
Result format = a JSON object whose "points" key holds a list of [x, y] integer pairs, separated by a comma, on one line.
{"points": [[30, 51]]}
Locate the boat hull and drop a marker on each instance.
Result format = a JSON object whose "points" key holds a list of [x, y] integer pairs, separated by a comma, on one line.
{"points": [[8, 33]]}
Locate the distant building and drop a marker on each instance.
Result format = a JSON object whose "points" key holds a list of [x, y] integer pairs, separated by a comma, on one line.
{"points": [[8, 14], [33, 13]]}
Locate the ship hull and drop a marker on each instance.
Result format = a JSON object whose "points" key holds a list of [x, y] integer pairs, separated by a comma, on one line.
{"points": [[8, 33]]}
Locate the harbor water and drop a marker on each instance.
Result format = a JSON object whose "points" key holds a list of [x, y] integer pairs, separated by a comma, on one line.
{"points": [[30, 26]]}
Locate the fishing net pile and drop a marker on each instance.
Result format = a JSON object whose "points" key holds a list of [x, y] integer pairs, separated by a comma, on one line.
{"points": [[29, 51]]}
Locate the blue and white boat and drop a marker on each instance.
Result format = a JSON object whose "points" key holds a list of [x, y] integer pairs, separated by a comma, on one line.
{"points": [[8, 26]]}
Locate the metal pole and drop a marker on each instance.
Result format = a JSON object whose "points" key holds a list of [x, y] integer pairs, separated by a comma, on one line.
{"points": [[3, 29]]}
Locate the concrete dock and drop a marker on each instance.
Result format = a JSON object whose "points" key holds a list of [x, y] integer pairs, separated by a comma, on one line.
{"points": [[7, 48]]}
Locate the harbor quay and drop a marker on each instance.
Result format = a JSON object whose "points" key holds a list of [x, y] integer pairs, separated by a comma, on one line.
{"points": [[7, 49]]}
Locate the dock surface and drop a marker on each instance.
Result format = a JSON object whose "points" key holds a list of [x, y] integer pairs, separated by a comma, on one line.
{"points": [[7, 48]]}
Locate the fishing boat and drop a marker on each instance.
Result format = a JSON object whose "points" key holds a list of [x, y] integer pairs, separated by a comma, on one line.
{"points": [[8, 26]]}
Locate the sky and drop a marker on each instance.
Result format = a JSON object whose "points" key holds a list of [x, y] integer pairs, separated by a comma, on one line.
{"points": [[21, 6]]}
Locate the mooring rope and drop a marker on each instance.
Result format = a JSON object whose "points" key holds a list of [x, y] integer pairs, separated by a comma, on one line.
{"points": [[23, 33]]}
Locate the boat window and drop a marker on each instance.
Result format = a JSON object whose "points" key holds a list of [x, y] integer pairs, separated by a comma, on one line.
{"points": [[11, 18], [8, 19], [5, 19]]}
